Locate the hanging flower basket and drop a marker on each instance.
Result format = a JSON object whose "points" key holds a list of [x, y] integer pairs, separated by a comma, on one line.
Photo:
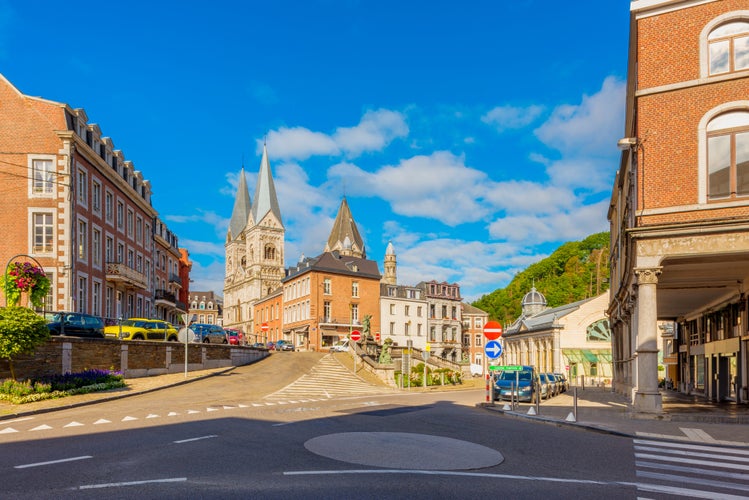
{"points": [[25, 277]]}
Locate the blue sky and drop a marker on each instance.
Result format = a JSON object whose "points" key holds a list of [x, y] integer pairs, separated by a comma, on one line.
{"points": [[477, 136]]}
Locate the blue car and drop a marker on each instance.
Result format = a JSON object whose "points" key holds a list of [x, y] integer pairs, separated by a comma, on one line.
{"points": [[519, 381]]}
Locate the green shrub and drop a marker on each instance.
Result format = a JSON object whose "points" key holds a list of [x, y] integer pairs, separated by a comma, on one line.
{"points": [[59, 386]]}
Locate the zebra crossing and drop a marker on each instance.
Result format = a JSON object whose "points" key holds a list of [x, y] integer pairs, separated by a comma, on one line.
{"points": [[691, 470], [327, 379]]}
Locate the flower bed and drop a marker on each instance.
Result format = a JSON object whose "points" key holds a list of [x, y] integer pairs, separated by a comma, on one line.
{"points": [[60, 386]]}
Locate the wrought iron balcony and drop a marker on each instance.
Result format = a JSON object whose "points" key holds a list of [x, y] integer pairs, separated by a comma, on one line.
{"points": [[174, 278], [164, 297]]}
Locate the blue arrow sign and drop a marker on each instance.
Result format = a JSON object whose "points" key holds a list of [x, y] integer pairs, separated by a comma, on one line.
{"points": [[493, 349]]}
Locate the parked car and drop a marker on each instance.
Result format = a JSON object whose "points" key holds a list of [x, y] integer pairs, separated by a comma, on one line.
{"points": [[556, 383], [563, 382], [142, 329], [284, 345], [271, 346], [209, 334], [234, 336], [546, 387], [519, 381], [76, 325], [340, 346], [259, 345]]}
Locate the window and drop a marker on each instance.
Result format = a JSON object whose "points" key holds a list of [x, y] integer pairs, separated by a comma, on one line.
{"points": [[82, 291], [418, 311], [41, 174], [728, 155], [82, 187], [130, 216], [109, 249], [120, 214], [96, 299], [392, 291], [120, 253], [326, 286], [392, 328], [139, 229], [418, 329], [109, 207], [354, 288], [270, 252], [392, 308], [82, 241], [728, 48], [355, 313], [96, 246], [406, 310], [42, 232], [96, 196], [326, 311], [407, 328], [477, 341], [432, 334]]}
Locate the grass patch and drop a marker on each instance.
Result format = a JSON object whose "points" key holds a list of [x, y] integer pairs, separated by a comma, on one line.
{"points": [[60, 386]]}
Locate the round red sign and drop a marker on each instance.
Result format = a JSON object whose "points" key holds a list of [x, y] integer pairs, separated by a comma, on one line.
{"points": [[264, 327], [356, 335], [492, 330]]}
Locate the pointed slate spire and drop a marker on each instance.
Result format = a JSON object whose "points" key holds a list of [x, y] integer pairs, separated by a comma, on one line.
{"points": [[344, 237], [265, 192], [241, 212]]}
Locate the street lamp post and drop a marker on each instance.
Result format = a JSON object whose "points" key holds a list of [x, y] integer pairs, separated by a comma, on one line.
{"points": [[188, 321]]}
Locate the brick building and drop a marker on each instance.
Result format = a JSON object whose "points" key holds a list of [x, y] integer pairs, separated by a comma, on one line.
{"points": [[328, 296], [679, 213], [72, 202]]}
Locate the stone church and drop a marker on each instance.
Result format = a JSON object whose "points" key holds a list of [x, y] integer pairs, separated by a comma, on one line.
{"points": [[254, 248]]}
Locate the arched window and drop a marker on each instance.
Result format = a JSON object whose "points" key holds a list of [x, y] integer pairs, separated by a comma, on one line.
{"points": [[728, 47], [270, 252], [202, 305], [728, 155]]}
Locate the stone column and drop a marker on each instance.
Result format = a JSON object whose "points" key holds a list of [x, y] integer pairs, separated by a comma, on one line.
{"points": [[647, 398], [557, 364]]}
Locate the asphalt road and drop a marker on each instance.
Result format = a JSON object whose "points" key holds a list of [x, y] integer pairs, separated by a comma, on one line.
{"points": [[225, 437]]}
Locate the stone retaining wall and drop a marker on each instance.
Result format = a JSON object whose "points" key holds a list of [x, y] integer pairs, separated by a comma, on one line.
{"points": [[131, 357]]}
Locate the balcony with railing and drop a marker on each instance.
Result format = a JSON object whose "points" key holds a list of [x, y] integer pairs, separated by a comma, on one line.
{"points": [[118, 272], [174, 278], [339, 322], [164, 297]]}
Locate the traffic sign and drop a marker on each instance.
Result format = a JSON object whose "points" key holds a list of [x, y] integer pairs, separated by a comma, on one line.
{"points": [[377, 336], [428, 347], [492, 330], [356, 335], [493, 349], [264, 327]]}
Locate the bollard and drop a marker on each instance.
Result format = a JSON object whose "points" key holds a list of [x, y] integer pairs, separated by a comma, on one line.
{"points": [[575, 404]]}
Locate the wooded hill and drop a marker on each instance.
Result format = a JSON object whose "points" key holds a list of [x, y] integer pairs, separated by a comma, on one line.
{"points": [[575, 271]]}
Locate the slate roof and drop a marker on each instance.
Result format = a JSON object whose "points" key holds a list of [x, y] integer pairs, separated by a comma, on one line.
{"points": [[265, 193], [241, 212], [334, 263]]}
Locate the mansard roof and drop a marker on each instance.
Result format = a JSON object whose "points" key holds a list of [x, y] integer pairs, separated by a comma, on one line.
{"points": [[335, 263]]}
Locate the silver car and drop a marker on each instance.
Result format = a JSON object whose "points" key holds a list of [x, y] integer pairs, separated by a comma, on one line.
{"points": [[209, 334]]}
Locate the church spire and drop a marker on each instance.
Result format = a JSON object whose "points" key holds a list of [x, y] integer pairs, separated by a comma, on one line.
{"points": [[344, 237], [265, 192], [241, 212]]}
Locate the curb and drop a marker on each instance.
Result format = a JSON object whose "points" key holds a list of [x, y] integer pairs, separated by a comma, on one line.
{"points": [[112, 397]]}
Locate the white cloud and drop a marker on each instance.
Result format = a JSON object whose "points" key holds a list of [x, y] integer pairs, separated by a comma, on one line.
{"points": [[510, 117], [439, 186], [531, 230], [299, 143], [590, 128], [374, 132]]}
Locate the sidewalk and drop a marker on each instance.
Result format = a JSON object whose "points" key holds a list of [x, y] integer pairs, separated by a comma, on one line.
{"points": [[135, 386], [684, 418]]}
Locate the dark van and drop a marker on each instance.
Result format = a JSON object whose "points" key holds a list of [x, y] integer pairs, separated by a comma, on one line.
{"points": [[518, 380]]}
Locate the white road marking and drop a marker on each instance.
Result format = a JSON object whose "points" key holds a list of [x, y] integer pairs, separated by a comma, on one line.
{"points": [[102, 421], [62, 460], [151, 415], [195, 439], [129, 418], [73, 424], [211, 409], [43, 427], [131, 483], [190, 412], [685, 438], [172, 414], [691, 447], [697, 434], [688, 453], [708, 463], [8, 430]]}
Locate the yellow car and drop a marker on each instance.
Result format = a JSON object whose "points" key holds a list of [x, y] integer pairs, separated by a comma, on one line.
{"points": [[142, 329]]}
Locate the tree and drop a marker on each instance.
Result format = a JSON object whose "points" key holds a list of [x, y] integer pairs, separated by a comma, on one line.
{"points": [[21, 331]]}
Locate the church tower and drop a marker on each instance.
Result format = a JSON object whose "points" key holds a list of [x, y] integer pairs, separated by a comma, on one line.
{"points": [[344, 237], [254, 248], [390, 277]]}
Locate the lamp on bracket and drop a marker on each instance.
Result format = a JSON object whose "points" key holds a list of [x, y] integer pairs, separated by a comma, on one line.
{"points": [[626, 143]]}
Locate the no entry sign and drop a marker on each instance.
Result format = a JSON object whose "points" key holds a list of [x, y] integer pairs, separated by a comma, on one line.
{"points": [[492, 330], [356, 335]]}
